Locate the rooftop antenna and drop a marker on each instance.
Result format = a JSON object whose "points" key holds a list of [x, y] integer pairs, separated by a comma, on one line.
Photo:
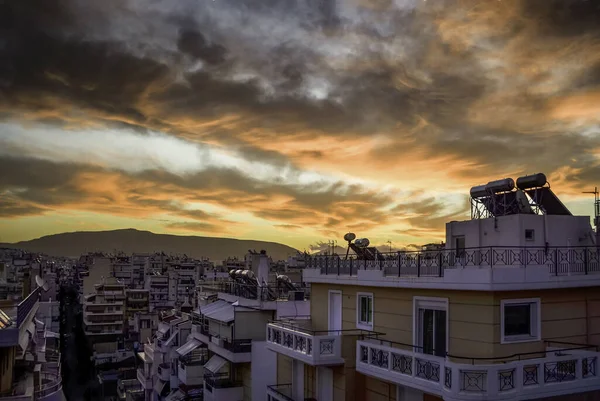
{"points": [[390, 244]]}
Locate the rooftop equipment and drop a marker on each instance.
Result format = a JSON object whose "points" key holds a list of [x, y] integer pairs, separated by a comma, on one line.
{"points": [[532, 194]]}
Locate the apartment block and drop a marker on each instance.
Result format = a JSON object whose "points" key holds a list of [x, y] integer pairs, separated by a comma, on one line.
{"points": [[157, 285], [29, 354], [158, 374], [103, 318], [508, 309], [229, 326]]}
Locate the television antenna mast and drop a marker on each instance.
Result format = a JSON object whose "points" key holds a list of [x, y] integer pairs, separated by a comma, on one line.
{"points": [[390, 244]]}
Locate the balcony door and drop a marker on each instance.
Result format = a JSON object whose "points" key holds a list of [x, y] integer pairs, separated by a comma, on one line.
{"points": [[335, 312], [431, 326]]}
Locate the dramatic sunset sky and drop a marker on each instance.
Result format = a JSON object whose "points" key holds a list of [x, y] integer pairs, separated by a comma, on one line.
{"points": [[289, 120]]}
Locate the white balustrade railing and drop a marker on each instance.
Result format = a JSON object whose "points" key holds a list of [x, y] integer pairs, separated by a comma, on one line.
{"points": [[557, 373], [314, 349]]}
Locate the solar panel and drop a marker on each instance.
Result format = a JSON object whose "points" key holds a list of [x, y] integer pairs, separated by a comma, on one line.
{"points": [[5, 321], [548, 201]]}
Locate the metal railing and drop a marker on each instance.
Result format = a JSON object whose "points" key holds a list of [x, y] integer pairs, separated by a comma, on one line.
{"points": [[272, 292], [220, 381], [559, 260], [238, 346], [283, 391], [53, 383]]}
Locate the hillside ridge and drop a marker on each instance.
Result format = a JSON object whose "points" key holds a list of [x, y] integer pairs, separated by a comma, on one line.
{"points": [[129, 240]]}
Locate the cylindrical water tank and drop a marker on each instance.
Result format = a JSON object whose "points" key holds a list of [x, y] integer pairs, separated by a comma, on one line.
{"points": [[505, 185], [284, 278], [532, 181], [349, 237], [248, 273], [232, 273], [479, 191], [239, 272], [362, 242]]}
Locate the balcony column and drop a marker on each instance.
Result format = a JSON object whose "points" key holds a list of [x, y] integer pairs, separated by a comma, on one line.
{"points": [[297, 380], [324, 383]]}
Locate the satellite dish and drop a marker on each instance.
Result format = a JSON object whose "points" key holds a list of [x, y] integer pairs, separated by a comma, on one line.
{"points": [[349, 237], [41, 282]]}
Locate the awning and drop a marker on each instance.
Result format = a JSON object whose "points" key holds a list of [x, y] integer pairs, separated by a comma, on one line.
{"points": [[204, 309], [163, 328], [188, 347], [159, 386], [214, 364], [170, 340], [221, 311], [176, 396], [51, 334]]}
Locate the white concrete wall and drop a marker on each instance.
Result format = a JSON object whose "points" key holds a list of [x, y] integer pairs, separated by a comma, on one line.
{"points": [[509, 231], [192, 375], [263, 369]]}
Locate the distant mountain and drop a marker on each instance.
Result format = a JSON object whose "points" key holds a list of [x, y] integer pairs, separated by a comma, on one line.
{"points": [[130, 240]]}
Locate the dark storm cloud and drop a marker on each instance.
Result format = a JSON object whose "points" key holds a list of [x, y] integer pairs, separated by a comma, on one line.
{"points": [[53, 62], [569, 18]]}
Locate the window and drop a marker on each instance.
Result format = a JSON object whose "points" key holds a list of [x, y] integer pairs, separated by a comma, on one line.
{"points": [[431, 325], [529, 235], [364, 311], [520, 320]]}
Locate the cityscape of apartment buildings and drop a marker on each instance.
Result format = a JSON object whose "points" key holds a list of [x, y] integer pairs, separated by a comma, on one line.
{"points": [[506, 308]]}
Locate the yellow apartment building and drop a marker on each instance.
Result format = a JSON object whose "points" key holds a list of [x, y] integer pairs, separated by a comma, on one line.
{"points": [[507, 309]]}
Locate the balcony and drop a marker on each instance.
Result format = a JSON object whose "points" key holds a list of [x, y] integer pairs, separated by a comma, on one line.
{"points": [[222, 388], [191, 372], [489, 268], [126, 385], [145, 381], [235, 351], [556, 372], [316, 348], [27, 388], [281, 392]]}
